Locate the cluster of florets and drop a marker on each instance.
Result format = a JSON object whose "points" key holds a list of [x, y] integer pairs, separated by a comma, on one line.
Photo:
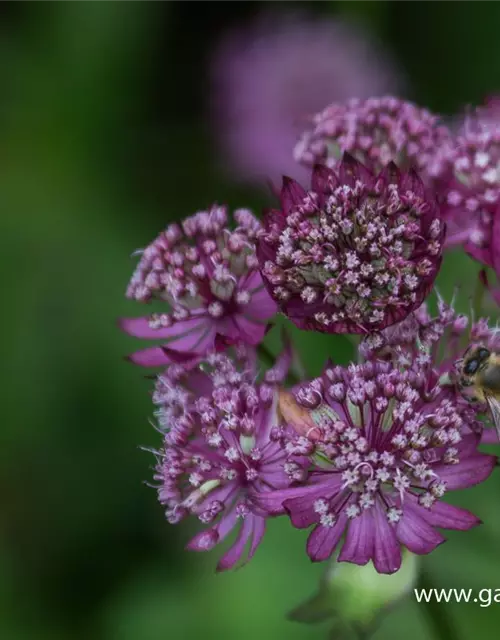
{"points": [[437, 342], [368, 451], [209, 276], [376, 131], [356, 252], [473, 188], [222, 448], [462, 168], [390, 448]]}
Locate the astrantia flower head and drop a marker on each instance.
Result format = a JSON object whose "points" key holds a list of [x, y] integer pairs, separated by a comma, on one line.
{"points": [[376, 131], [391, 448], [437, 344], [437, 341], [354, 254], [222, 448], [209, 276], [473, 193], [271, 75]]}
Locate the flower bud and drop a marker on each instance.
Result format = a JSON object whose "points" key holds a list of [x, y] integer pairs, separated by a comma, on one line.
{"points": [[352, 597]]}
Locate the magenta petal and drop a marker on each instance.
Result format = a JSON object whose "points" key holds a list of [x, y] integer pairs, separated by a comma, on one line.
{"points": [[481, 254], [261, 306], [468, 446], [249, 331], [203, 541], [258, 530], [140, 328], [273, 217], [199, 382], [495, 242], [411, 182], [252, 282], [489, 436], [322, 541], [233, 555], [226, 524], [152, 357], [386, 548], [224, 494], [358, 545], [351, 170], [390, 174], [269, 502], [198, 338], [272, 502], [323, 179], [445, 515], [279, 371], [468, 472], [415, 533], [302, 514], [292, 194], [458, 227], [274, 475]]}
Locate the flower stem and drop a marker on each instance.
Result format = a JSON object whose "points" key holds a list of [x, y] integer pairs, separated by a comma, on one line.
{"points": [[265, 353], [438, 618]]}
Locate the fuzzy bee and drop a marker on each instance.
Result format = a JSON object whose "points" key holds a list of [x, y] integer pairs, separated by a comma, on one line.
{"points": [[479, 379]]}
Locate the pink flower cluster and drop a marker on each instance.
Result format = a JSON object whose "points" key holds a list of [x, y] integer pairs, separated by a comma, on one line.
{"points": [[355, 253], [364, 454]]}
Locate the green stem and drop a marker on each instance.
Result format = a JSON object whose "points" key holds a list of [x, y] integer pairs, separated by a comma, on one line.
{"points": [[438, 618], [266, 354]]}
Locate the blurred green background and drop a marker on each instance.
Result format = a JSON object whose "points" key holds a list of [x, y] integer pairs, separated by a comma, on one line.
{"points": [[103, 140]]}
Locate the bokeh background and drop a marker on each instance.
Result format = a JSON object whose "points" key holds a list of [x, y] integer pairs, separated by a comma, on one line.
{"points": [[106, 135]]}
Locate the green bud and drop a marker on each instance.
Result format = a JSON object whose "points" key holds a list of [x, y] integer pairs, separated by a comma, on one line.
{"points": [[208, 486], [354, 596], [247, 443]]}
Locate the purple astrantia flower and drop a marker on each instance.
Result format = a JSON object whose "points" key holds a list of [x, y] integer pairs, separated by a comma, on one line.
{"points": [[376, 131], [473, 188], [269, 77], [436, 343], [391, 447], [222, 448], [209, 276], [354, 254]]}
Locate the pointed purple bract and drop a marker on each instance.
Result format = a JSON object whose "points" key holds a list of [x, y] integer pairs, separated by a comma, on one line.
{"points": [[355, 254]]}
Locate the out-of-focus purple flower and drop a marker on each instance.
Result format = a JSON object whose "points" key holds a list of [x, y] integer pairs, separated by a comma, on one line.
{"points": [[269, 77], [376, 131], [473, 189], [209, 276], [222, 448], [354, 254], [436, 343], [391, 448]]}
